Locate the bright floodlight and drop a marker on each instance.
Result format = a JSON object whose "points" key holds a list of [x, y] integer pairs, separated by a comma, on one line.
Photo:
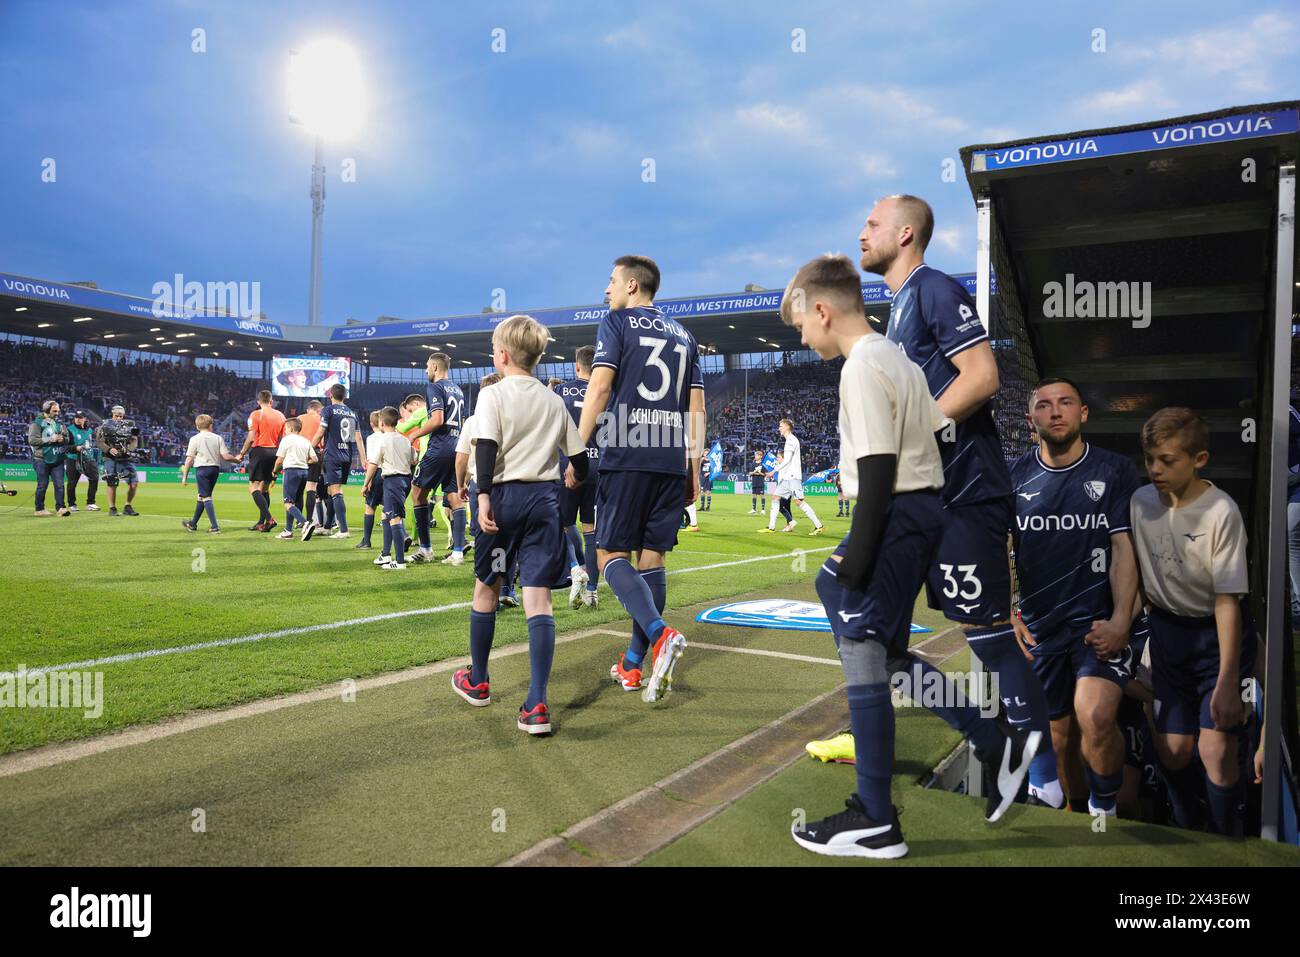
{"points": [[325, 92]]}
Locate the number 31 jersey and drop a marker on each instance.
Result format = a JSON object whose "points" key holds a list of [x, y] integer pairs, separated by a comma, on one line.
{"points": [[656, 363]]}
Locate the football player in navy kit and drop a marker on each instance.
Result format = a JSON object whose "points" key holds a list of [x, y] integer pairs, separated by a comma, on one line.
{"points": [[647, 371], [446, 412], [580, 504], [1078, 590]]}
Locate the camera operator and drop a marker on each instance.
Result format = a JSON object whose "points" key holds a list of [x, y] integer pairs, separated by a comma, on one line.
{"points": [[83, 459], [48, 438], [118, 440]]}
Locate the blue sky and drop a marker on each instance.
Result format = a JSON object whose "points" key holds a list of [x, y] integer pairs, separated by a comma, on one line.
{"points": [[522, 170]]}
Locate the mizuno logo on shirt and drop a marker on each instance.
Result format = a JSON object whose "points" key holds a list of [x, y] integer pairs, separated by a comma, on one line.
{"points": [[1028, 496], [847, 617], [1194, 537], [968, 608]]}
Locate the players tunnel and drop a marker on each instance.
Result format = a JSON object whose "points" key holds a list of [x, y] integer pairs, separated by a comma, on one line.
{"points": [[1155, 265]]}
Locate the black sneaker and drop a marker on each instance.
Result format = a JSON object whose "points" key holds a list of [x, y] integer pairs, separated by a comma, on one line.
{"points": [[1004, 772], [189, 526], [361, 545], [114, 512], [259, 527], [852, 834], [270, 525], [129, 511]]}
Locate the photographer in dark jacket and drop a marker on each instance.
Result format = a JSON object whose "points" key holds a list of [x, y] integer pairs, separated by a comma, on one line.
{"points": [[83, 459], [48, 439], [117, 439]]}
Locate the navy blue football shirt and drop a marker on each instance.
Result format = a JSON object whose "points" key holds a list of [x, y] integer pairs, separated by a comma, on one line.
{"points": [[446, 396], [933, 318], [574, 392], [656, 363], [1064, 520], [338, 425]]}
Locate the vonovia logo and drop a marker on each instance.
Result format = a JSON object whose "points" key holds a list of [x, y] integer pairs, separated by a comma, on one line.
{"points": [[1094, 490]]}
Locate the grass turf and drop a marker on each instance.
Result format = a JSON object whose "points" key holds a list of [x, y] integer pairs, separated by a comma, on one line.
{"points": [[90, 586]]}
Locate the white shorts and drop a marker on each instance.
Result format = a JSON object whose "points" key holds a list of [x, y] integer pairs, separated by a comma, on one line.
{"points": [[789, 488]]}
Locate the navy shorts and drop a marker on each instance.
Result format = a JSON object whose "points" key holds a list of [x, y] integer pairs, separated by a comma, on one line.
{"points": [[913, 528], [295, 480], [396, 488], [579, 503], [706, 484], [1059, 665], [375, 498], [1139, 750], [261, 463], [636, 510], [206, 478], [970, 580], [335, 470], [757, 487], [528, 516], [1185, 667], [437, 469]]}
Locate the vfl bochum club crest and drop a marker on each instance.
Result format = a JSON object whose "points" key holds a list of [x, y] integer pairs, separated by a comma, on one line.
{"points": [[1095, 489], [778, 613]]}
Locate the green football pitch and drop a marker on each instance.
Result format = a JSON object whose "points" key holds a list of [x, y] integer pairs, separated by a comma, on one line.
{"points": [[269, 701]]}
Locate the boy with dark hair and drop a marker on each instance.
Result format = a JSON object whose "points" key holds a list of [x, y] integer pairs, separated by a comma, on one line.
{"points": [[394, 460]]}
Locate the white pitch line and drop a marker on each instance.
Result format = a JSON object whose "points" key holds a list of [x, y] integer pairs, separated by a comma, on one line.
{"points": [[323, 626], [766, 654]]}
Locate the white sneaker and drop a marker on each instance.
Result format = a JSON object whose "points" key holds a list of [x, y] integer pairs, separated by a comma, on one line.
{"points": [[92, 507], [579, 576], [341, 535], [394, 567], [455, 558], [73, 508], [790, 527], [286, 534], [590, 599], [383, 560], [422, 556], [308, 530], [752, 512]]}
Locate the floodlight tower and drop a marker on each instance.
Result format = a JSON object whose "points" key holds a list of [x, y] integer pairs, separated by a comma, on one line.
{"points": [[325, 96]]}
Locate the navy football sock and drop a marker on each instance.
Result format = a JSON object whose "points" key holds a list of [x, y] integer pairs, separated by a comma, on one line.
{"points": [[482, 625], [1185, 789], [541, 651], [341, 512], [399, 543], [1021, 690], [422, 524], [576, 555], [458, 530], [311, 504], [593, 564], [211, 509], [328, 504], [961, 716], [368, 526], [657, 581], [1224, 802], [1104, 787], [388, 539], [634, 594], [292, 515], [871, 716], [198, 511]]}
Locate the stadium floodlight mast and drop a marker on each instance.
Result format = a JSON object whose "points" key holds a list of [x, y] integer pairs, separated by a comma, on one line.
{"points": [[326, 97]]}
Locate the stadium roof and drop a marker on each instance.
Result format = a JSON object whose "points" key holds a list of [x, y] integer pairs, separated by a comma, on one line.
{"points": [[725, 324]]}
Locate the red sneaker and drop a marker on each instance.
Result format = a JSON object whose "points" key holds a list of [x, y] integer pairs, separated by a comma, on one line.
{"points": [[629, 678], [477, 695], [537, 721]]}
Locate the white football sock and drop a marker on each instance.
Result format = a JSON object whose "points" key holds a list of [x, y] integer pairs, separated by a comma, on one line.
{"points": [[776, 510], [807, 510], [690, 513]]}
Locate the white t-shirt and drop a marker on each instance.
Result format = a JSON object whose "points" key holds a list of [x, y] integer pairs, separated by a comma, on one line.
{"points": [[394, 454], [465, 446], [530, 425], [790, 469], [295, 450], [1189, 554], [206, 448], [886, 409], [372, 445]]}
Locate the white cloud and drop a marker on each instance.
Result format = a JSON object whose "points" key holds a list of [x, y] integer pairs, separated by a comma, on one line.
{"points": [[1252, 56], [951, 238], [1141, 95]]}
